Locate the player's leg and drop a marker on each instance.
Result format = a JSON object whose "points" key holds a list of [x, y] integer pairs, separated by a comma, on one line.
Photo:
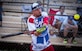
{"points": [[58, 25], [66, 29], [74, 29], [31, 48]]}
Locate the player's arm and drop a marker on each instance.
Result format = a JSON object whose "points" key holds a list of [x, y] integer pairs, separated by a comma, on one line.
{"points": [[31, 27], [45, 18], [45, 21]]}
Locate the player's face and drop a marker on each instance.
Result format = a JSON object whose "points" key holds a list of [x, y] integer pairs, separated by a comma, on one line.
{"points": [[37, 12], [62, 9]]}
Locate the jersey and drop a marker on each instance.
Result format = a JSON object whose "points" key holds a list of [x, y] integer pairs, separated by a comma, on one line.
{"points": [[42, 41], [60, 18]]}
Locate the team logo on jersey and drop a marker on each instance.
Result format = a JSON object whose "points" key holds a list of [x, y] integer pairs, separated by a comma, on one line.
{"points": [[39, 22]]}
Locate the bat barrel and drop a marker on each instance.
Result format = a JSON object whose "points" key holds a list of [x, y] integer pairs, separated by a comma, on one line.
{"points": [[5, 36]]}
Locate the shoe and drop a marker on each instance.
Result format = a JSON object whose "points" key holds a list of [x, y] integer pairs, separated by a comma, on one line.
{"points": [[65, 41], [74, 42]]}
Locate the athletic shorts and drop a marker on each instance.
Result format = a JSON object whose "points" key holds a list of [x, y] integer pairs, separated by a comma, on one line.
{"points": [[50, 48]]}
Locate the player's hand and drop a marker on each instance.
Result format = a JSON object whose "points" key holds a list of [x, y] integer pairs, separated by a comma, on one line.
{"points": [[51, 32], [26, 32], [37, 33]]}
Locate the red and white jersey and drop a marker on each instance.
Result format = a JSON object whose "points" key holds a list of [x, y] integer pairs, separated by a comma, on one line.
{"points": [[42, 41]]}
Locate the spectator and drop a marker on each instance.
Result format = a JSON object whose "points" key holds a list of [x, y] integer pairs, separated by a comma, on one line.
{"points": [[40, 41], [68, 25], [1, 14], [59, 17]]}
